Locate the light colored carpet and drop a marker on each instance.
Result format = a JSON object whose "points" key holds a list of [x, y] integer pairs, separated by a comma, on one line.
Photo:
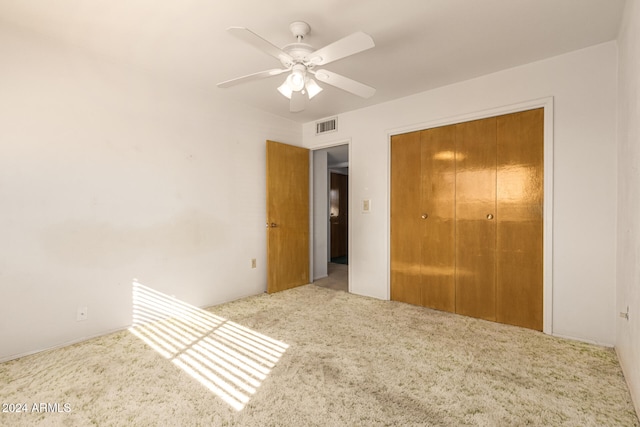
{"points": [[313, 356]]}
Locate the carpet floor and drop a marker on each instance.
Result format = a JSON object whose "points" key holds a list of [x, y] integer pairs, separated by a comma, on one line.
{"points": [[312, 356]]}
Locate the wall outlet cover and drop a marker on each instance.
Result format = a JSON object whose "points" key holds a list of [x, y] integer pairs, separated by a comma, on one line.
{"points": [[82, 314]]}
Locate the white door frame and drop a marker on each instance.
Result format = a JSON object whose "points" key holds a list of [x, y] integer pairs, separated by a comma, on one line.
{"points": [[346, 142]]}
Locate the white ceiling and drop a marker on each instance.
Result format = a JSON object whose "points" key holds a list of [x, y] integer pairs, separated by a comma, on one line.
{"points": [[420, 44]]}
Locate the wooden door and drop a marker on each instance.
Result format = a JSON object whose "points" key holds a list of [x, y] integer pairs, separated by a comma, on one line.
{"points": [[438, 218], [520, 218], [287, 216], [467, 218], [406, 253], [339, 214], [475, 218]]}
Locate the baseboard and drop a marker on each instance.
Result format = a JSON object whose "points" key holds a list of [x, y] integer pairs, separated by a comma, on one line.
{"points": [[568, 337], [98, 335], [62, 345]]}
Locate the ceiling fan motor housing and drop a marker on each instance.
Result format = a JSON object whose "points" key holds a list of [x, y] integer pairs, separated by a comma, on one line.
{"points": [[299, 52]]}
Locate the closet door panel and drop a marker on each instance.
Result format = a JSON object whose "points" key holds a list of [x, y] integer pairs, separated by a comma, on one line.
{"points": [[405, 218], [438, 228], [520, 219], [475, 218]]}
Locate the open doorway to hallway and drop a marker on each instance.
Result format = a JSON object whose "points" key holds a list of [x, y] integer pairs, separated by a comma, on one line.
{"points": [[331, 217]]}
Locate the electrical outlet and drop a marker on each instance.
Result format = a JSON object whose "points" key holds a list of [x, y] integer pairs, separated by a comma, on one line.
{"points": [[253, 263], [82, 314]]}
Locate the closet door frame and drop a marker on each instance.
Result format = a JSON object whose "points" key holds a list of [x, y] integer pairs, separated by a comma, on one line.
{"points": [[547, 256]]}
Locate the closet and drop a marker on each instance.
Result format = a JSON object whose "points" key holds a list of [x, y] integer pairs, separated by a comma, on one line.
{"points": [[466, 218]]}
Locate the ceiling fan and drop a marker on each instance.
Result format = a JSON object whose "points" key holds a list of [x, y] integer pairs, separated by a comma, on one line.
{"points": [[301, 60]]}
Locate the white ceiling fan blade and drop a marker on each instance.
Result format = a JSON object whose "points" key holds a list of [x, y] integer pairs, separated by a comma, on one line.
{"points": [[355, 43], [254, 76], [256, 41], [345, 83], [297, 102]]}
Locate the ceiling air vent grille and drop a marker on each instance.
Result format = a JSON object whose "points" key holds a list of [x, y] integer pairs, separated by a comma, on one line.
{"points": [[330, 125]]}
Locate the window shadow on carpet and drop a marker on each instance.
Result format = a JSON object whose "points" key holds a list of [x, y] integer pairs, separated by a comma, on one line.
{"points": [[227, 358]]}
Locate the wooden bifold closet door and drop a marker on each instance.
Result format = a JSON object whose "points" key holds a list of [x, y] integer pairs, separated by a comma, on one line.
{"points": [[466, 218]]}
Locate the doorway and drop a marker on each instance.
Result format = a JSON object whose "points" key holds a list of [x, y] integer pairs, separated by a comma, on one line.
{"points": [[331, 217]]}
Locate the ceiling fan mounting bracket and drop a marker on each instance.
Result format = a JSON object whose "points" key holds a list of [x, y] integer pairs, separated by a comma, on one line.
{"points": [[299, 29]]}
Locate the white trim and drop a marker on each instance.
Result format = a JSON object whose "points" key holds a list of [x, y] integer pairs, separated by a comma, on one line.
{"points": [[311, 222], [547, 263], [345, 141], [547, 237]]}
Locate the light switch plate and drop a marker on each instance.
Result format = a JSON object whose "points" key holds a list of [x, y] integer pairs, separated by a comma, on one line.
{"points": [[366, 206]]}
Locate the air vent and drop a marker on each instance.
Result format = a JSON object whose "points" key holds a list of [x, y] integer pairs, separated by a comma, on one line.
{"points": [[330, 125]]}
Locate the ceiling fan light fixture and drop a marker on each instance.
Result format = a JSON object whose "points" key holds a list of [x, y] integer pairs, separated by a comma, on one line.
{"points": [[285, 89], [312, 88], [297, 78]]}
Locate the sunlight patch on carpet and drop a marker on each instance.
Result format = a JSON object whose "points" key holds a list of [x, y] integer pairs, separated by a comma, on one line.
{"points": [[227, 358]]}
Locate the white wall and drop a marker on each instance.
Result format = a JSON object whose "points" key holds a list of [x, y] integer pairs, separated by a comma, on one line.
{"points": [[628, 287], [583, 84], [108, 173]]}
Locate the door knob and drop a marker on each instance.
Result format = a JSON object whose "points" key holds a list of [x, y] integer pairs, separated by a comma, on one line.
{"points": [[274, 225], [424, 216], [489, 216]]}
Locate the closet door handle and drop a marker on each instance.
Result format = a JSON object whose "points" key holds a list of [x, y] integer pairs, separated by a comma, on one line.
{"points": [[424, 216], [490, 216]]}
